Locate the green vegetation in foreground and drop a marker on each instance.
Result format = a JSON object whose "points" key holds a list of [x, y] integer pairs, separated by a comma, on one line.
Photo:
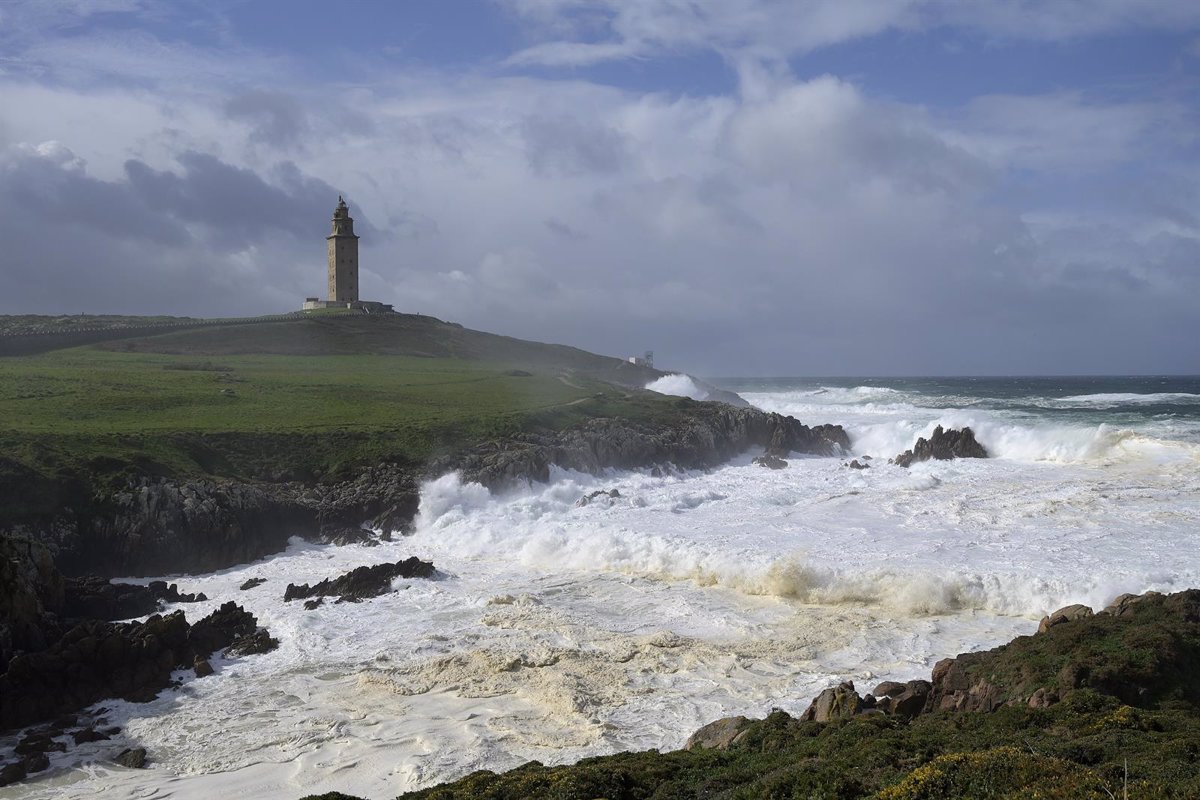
{"points": [[1077, 749], [1072, 751], [299, 399]]}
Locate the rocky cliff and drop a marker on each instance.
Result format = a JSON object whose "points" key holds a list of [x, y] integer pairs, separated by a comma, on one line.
{"points": [[704, 435], [162, 525]]}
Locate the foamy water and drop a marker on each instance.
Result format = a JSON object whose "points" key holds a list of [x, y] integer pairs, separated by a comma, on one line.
{"points": [[556, 631]]}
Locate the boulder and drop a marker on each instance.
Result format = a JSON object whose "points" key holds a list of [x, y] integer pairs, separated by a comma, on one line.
{"points": [[888, 689], [260, 641], [252, 582], [361, 583], [13, 772], [1123, 605], [134, 758], [837, 702], [96, 659], [202, 668], [855, 464], [770, 461], [718, 735], [586, 499], [912, 701], [943, 445], [1065, 614]]}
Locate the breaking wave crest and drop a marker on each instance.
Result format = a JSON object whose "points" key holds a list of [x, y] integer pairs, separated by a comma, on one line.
{"points": [[544, 530], [678, 385]]}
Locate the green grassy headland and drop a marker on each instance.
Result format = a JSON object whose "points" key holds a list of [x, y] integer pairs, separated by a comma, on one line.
{"points": [[310, 398]]}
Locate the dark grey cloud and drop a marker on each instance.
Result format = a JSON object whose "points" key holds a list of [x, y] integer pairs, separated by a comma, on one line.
{"points": [[213, 239]]}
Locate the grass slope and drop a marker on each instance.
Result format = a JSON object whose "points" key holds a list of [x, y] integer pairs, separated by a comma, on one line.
{"points": [[304, 399]]}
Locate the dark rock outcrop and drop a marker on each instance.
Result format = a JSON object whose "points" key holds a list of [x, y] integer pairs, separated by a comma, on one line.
{"points": [[588, 498], [152, 526], [252, 582], [361, 583], [97, 659], [251, 644], [93, 597], [770, 461], [31, 595], [134, 758], [943, 445], [702, 435]]}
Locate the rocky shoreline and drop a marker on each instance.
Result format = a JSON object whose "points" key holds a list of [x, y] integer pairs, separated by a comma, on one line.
{"points": [[55, 599], [163, 525], [1091, 706]]}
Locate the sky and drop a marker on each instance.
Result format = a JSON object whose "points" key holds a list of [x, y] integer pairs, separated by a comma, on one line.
{"points": [[746, 187]]}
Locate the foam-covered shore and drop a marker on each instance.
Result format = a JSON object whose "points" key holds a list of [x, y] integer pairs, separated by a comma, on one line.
{"points": [[560, 629]]}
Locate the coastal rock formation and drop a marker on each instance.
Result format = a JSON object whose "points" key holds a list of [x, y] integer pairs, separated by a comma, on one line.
{"points": [[30, 589], [157, 526], [770, 461], [361, 583], [1063, 615], [943, 445], [718, 735], [93, 597], [95, 659], [704, 435]]}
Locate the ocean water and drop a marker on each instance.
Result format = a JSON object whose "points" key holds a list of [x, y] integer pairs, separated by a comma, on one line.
{"points": [[556, 631]]}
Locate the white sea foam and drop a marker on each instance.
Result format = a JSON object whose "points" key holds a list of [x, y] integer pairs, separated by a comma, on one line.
{"points": [[560, 631], [678, 385]]}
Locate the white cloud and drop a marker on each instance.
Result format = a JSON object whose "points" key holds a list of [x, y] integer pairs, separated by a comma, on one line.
{"points": [[799, 226], [582, 32]]}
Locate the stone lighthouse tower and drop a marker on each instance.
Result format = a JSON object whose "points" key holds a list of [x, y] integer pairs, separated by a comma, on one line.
{"points": [[343, 256]]}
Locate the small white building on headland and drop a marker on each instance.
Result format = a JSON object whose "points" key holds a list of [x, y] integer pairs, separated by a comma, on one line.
{"points": [[342, 249]]}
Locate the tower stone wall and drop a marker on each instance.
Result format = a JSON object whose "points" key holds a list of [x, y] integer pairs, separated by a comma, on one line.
{"points": [[343, 256]]}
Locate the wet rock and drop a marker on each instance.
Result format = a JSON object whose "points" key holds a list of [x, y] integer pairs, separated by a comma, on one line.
{"points": [[31, 591], [94, 597], [255, 643], [586, 499], [1065, 614], [363, 582], [89, 735], [32, 743], [770, 461], [700, 435], [252, 582], [134, 758], [309, 605], [37, 762], [943, 445], [855, 464], [343, 535], [202, 667], [13, 772], [718, 735], [838, 702], [96, 659]]}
